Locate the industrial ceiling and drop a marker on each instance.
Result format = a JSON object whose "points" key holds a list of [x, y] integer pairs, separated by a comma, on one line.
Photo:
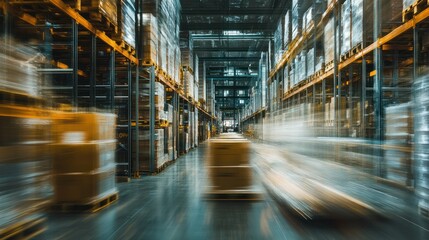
{"points": [[231, 31]]}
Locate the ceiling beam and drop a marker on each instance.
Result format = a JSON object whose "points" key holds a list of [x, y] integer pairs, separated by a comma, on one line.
{"points": [[230, 77], [226, 49], [228, 26], [206, 37], [227, 12], [231, 59]]}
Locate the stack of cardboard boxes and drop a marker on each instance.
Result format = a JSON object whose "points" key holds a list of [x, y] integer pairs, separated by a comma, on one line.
{"points": [[228, 164], [84, 157]]}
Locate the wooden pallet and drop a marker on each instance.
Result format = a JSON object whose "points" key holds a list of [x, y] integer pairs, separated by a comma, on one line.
{"points": [[171, 80], [127, 47], [163, 166], [90, 207], [417, 7], [158, 123], [188, 68], [233, 195], [149, 63], [26, 229], [329, 65], [176, 85], [157, 170], [317, 74], [99, 21], [355, 50]]}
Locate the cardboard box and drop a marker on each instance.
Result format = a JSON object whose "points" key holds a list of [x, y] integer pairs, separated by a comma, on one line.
{"points": [[83, 157], [83, 187], [230, 177], [83, 127], [229, 152]]}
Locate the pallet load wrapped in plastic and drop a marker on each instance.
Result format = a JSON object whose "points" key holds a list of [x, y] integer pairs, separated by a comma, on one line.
{"points": [[346, 29], [278, 43], [170, 57], [195, 90], [178, 66], [296, 19], [312, 15], [127, 22], [292, 74], [193, 136], [84, 160], [144, 104], [25, 182], [196, 128], [202, 97], [186, 47], [168, 19], [170, 112], [406, 4], [196, 68], [170, 143], [328, 41], [421, 141], [150, 39], [145, 165], [310, 62], [286, 30], [286, 79], [188, 82], [263, 70], [320, 60], [162, 50], [303, 65], [105, 8], [307, 19], [357, 8], [17, 74], [398, 136]]}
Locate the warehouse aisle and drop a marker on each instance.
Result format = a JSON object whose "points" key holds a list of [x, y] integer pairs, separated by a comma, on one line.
{"points": [[170, 206]]}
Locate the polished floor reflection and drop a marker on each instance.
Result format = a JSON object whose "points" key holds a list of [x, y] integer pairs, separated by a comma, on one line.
{"points": [[171, 206]]}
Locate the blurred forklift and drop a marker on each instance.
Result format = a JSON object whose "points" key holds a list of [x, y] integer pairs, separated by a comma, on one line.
{"points": [[25, 179], [49, 159]]}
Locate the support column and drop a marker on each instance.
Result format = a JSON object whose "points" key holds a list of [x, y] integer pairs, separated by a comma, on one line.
{"points": [[130, 109], [93, 72], [378, 94], [74, 63], [152, 119], [112, 79]]}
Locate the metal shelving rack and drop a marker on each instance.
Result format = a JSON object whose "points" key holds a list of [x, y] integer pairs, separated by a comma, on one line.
{"points": [[365, 82], [87, 69], [348, 73], [84, 67]]}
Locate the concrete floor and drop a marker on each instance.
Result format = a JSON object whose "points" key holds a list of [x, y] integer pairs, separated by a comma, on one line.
{"points": [[171, 206]]}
